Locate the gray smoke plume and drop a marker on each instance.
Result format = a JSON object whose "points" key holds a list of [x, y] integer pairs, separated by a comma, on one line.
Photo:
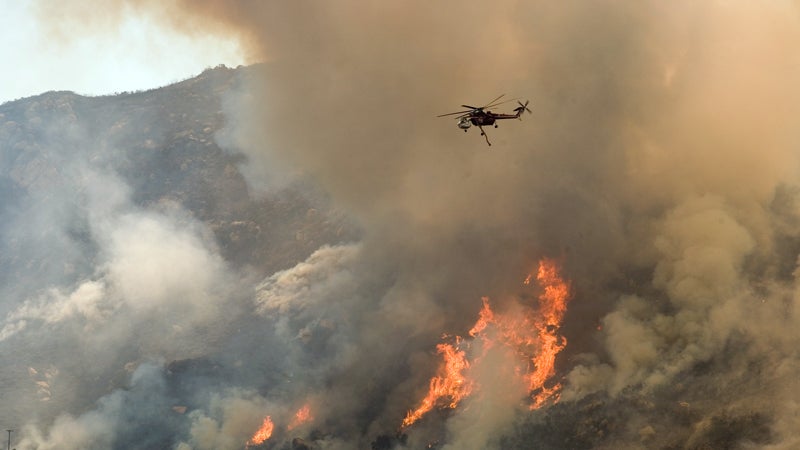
{"points": [[660, 164]]}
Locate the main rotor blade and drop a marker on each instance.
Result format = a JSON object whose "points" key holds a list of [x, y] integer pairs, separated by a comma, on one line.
{"points": [[472, 107], [492, 105], [498, 98], [454, 113]]}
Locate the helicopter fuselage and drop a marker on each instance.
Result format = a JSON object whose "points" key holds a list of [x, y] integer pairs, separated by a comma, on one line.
{"points": [[479, 120]]}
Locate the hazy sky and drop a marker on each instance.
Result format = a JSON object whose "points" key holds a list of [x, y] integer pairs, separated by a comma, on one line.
{"points": [[137, 55]]}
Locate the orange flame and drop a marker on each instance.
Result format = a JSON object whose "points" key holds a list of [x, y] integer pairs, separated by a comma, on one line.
{"points": [[302, 416], [532, 336], [263, 433], [450, 383], [485, 317], [552, 307]]}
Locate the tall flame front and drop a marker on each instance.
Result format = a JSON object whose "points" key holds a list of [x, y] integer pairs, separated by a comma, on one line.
{"points": [[532, 337], [552, 307]]}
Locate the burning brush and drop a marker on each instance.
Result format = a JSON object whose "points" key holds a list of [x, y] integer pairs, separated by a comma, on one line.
{"points": [[531, 337], [265, 432]]}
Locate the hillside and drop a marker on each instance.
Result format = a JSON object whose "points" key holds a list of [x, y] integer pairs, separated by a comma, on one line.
{"points": [[129, 235], [161, 143]]}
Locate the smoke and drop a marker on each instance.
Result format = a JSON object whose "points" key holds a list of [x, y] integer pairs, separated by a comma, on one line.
{"points": [[150, 262], [102, 290], [233, 418], [660, 162], [110, 422], [158, 286]]}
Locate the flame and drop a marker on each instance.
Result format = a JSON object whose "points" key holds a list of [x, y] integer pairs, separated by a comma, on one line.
{"points": [[552, 307], [450, 383], [263, 433], [531, 337], [485, 317], [302, 416]]}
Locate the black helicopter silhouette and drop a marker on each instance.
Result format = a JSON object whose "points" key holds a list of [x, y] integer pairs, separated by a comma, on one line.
{"points": [[480, 116]]}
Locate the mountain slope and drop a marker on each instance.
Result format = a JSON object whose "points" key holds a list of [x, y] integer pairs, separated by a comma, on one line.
{"points": [[161, 143]]}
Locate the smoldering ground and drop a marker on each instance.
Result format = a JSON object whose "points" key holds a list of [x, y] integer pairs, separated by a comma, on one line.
{"points": [[660, 164]]}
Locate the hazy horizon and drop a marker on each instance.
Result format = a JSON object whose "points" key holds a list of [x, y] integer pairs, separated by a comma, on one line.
{"points": [[136, 54]]}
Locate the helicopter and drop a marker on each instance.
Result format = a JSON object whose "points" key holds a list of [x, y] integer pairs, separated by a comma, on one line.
{"points": [[480, 116]]}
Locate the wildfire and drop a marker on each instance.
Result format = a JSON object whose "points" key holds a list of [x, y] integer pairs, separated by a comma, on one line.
{"points": [[531, 336], [485, 317], [302, 416], [451, 383], [263, 433], [552, 306]]}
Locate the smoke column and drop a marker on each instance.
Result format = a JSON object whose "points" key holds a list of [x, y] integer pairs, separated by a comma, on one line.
{"points": [[660, 162]]}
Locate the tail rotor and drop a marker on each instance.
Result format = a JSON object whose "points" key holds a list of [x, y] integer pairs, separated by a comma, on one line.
{"points": [[522, 108]]}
